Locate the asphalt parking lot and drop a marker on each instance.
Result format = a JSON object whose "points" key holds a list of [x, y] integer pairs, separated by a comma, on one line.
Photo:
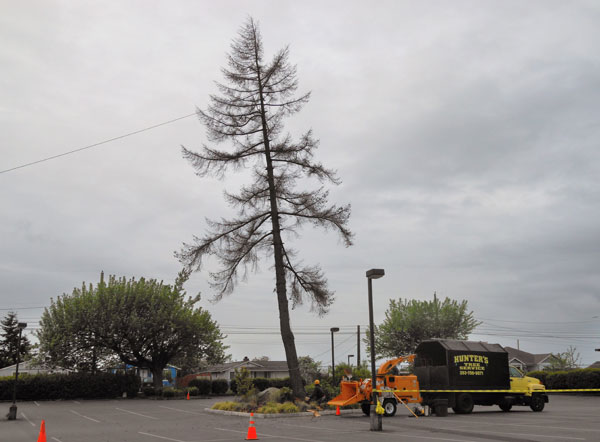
{"points": [[566, 418]]}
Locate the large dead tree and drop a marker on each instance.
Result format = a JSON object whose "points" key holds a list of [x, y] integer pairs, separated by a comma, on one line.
{"points": [[249, 113]]}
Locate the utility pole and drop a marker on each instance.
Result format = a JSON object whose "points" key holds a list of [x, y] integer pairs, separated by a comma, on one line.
{"points": [[358, 345]]}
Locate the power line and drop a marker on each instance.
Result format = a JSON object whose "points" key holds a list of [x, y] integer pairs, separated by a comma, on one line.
{"points": [[96, 144]]}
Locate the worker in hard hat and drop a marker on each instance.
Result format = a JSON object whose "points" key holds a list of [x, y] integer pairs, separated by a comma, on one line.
{"points": [[318, 395]]}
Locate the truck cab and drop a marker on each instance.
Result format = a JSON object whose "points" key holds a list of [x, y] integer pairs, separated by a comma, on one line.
{"points": [[518, 381]]}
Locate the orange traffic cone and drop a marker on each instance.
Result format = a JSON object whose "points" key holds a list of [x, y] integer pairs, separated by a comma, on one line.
{"points": [[188, 396], [251, 429], [42, 436], [337, 410]]}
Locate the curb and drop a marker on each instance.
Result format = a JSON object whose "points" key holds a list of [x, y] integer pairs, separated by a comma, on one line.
{"points": [[281, 415]]}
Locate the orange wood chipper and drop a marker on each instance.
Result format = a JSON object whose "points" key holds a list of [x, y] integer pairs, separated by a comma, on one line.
{"points": [[388, 378]]}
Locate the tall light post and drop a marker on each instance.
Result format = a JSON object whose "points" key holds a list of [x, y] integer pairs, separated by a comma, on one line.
{"points": [[350, 356], [376, 423], [333, 330], [12, 412]]}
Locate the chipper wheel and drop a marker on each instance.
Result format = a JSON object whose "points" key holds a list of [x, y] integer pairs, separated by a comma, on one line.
{"points": [[389, 407]]}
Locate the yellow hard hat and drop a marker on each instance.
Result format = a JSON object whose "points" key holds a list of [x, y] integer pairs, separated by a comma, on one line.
{"points": [[317, 382]]}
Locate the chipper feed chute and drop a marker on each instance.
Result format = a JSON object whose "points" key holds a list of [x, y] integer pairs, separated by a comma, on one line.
{"points": [[349, 394]]}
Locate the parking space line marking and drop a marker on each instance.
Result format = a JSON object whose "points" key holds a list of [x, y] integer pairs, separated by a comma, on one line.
{"points": [[273, 435], [160, 437], [322, 428], [27, 419], [137, 414], [536, 435], [57, 440], [537, 426], [479, 433], [35, 402], [438, 438], [86, 417], [178, 409], [78, 403], [177, 440]]}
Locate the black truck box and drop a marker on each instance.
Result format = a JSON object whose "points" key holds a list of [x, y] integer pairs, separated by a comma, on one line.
{"points": [[451, 364]]}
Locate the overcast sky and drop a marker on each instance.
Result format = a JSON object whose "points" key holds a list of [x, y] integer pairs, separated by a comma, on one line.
{"points": [[465, 134]]}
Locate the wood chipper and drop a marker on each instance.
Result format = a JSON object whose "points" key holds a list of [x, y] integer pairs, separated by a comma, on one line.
{"points": [[388, 378]]}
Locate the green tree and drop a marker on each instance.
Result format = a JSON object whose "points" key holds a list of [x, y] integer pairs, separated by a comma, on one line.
{"points": [[142, 322], [249, 113], [309, 369], [9, 341], [567, 360], [408, 322], [68, 333]]}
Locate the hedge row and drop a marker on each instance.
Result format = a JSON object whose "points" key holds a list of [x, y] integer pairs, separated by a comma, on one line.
{"points": [[581, 378], [206, 386], [70, 386]]}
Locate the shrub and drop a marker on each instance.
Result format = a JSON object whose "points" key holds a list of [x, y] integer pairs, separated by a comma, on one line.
{"points": [[220, 386], [288, 407], [203, 386], [228, 406], [148, 391], [274, 407], [243, 381], [261, 383], [269, 408], [287, 394], [572, 379], [193, 391], [280, 383], [168, 392], [233, 385], [71, 386]]}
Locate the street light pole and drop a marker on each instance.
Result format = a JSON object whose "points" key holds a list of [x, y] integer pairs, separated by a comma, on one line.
{"points": [[376, 421], [12, 412], [333, 330]]}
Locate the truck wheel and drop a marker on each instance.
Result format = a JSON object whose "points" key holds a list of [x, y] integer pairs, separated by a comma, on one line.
{"points": [[365, 407], [389, 407], [464, 403], [505, 407], [537, 402]]}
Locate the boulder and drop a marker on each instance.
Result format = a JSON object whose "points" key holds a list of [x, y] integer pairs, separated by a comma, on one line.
{"points": [[271, 394]]}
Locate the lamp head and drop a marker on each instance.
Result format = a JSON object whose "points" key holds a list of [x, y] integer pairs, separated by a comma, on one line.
{"points": [[375, 273]]}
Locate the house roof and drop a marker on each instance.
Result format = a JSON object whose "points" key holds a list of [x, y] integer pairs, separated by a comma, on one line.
{"points": [[27, 365], [250, 365], [595, 365], [525, 357]]}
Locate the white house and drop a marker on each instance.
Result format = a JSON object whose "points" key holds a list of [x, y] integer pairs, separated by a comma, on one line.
{"points": [[257, 369], [528, 361], [27, 367]]}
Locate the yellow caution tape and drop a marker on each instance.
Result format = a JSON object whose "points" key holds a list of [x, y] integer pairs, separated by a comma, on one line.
{"points": [[379, 409], [539, 390]]}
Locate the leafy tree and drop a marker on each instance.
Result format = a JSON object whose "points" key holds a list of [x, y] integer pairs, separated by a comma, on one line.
{"points": [[68, 333], [9, 341], [343, 370], [408, 322], [144, 323], [567, 360], [261, 359], [309, 369], [249, 113]]}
